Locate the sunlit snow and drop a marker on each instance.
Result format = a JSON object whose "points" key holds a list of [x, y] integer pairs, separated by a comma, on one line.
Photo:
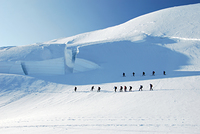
{"points": [[37, 81]]}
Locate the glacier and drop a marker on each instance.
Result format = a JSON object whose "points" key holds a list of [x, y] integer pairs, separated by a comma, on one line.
{"points": [[44, 100], [46, 60]]}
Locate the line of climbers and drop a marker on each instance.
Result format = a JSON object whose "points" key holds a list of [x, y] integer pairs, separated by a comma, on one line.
{"points": [[130, 88], [98, 90], [121, 88], [143, 73]]}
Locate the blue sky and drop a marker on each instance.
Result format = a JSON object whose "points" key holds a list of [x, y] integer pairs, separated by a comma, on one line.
{"points": [[24, 22]]}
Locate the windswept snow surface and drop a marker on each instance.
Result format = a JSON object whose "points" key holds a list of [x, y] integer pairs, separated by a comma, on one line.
{"points": [[167, 40], [177, 23]]}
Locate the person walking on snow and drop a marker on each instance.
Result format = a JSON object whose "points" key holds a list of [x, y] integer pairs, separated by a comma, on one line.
{"points": [[130, 89], [124, 75], [121, 88], [125, 88], [140, 89], [98, 89], [151, 87], [92, 88], [115, 88], [133, 74], [75, 89], [153, 73], [164, 73], [143, 74]]}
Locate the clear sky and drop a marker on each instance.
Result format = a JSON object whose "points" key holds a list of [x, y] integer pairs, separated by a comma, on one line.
{"points": [[24, 22]]}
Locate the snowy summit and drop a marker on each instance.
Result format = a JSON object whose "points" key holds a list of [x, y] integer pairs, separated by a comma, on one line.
{"points": [[37, 82]]}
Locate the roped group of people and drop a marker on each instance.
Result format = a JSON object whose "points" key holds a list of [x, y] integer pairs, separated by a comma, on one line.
{"points": [[92, 88], [120, 89], [143, 73], [130, 88]]}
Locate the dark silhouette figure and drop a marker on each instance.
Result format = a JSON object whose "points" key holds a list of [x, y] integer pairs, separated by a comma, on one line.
{"points": [[164, 73], [121, 88], [98, 89], [133, 74], [75, 89], [115, 88], [92, 88], [143, 74], [153, 73], [151, 87], [140, 89], [125, 88], [130, 89], [124, 75]]}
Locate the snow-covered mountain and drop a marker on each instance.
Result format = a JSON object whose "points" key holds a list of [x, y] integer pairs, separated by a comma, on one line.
{"points": [[37, 81], [173, 23]]}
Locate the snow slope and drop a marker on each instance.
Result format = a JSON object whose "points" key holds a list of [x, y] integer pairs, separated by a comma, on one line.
{"points": [[176, 23], [163, 40]]}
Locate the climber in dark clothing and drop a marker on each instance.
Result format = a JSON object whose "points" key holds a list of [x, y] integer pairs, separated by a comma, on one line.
{"points": [[140, 89], [92, 88], [133, 74], [130, 89], [125, 88], [75, 89], [124, 75], [98, 89], [121, 88], [151, 87], [164, 73], [153, 73], [115, 88], [143, 74]]}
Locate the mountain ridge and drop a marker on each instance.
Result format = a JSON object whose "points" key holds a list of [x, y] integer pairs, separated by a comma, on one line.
{"points": [[174, 19]]}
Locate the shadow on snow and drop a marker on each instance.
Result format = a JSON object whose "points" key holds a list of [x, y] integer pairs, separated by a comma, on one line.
{"points": [[128, 57]]}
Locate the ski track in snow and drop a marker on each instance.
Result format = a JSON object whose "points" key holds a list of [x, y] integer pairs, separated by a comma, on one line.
{"points": [[114, 125]]}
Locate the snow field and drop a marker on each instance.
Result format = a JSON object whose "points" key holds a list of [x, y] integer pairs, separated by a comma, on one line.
{"points": [[167, 109], [48, 104]]}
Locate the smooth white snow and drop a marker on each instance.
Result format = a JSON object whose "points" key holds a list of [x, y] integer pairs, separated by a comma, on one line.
{"points": [[45, 102]]}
